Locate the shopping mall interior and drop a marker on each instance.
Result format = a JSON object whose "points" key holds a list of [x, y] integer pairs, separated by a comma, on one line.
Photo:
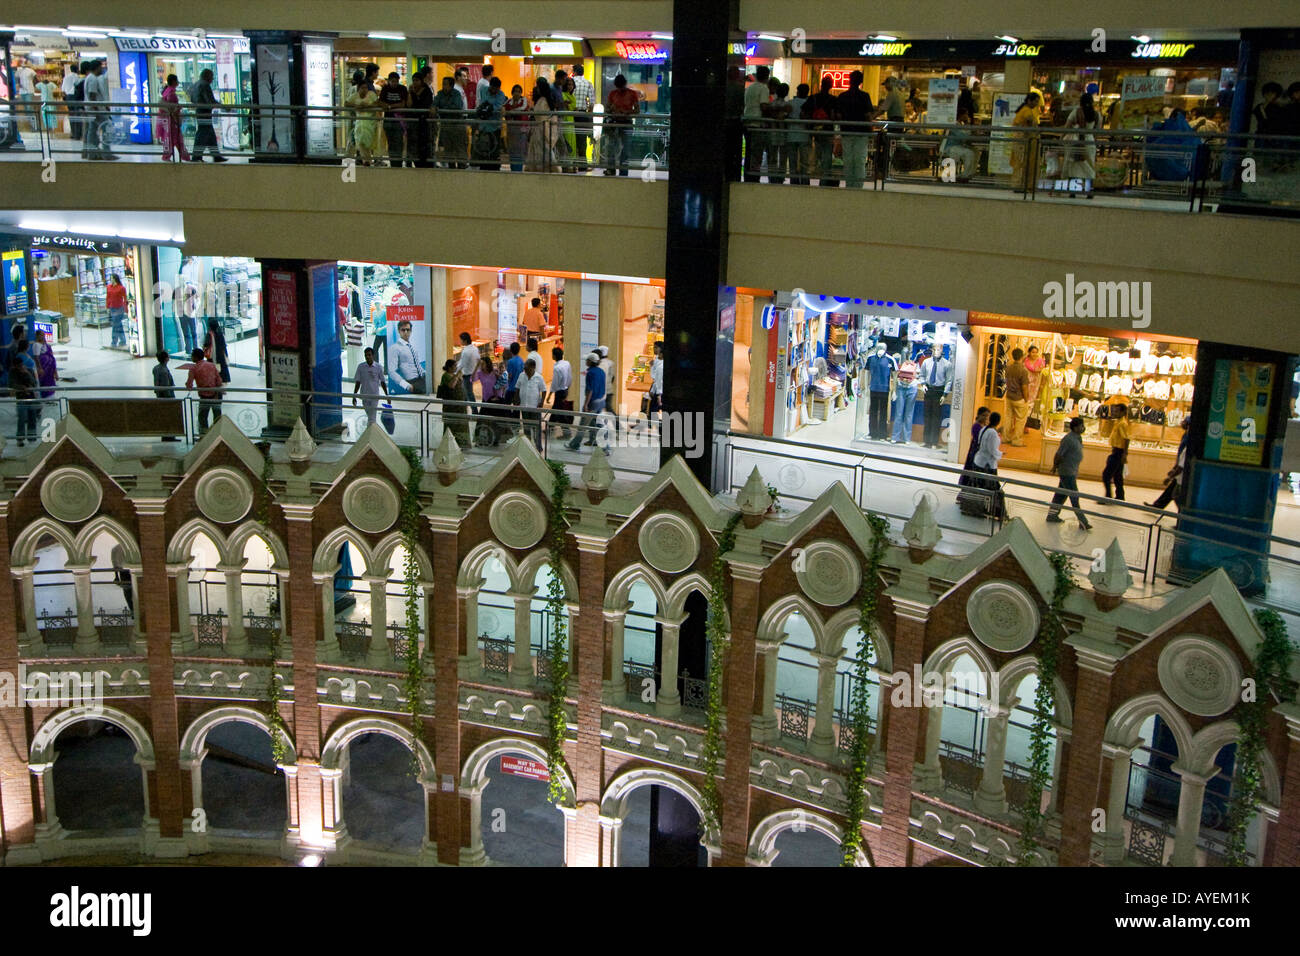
{"points": [[910, 522]]}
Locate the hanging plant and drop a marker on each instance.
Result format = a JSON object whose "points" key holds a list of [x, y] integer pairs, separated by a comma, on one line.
{"points": [[1051, 629], [557, 716], [1271, 680], [719, 642], [274, 685], [264, 501], [409, 522], [859, 709]]}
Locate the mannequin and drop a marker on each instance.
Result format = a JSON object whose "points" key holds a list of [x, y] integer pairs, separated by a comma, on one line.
{"points": [[880, 369]]}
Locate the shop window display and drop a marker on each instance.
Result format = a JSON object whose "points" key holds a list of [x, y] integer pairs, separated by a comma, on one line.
{"points": [[365, 292], [73, 289], [225, 288]]}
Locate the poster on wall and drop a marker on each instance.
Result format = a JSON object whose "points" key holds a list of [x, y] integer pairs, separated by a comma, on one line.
{"points": [[281, 309], [1142, 101], [327, 349], [942, 105], [399, 348], [284, 377], [464, 312], [227, 82], [14, 263], [1000, 144], [133, 74], [274, 128], [1237, 429], [318, 78]]}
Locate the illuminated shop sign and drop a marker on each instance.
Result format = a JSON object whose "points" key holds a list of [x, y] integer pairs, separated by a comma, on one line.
{"points": [[884, 49], [1065, 185], [1018, 49], [1165, 51], [175, 44], [839, 78], [641, 52], [76, 242], [551, 48], [742, 49]]}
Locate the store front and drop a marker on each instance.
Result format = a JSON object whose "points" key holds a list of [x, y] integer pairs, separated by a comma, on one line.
{"points": [[804, 371], [1095, 374], [51, 56], [365, 292], [72, 279], [201, 289]]}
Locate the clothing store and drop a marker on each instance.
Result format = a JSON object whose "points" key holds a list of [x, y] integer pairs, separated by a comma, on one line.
{"points": [[1039, 374], [196, 290], [834, 370], [366, 291], [90, 292]]}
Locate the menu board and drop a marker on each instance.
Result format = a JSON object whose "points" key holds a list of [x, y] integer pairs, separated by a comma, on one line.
{"points": [[1237, 428], [1142, 101]]}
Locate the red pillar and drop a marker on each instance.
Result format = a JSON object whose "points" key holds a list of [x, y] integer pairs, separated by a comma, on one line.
{"points": [[1083, 767], [447, 624], [904, 735], [589, 754], [740, 676], [305, 727], [1284, 838]]}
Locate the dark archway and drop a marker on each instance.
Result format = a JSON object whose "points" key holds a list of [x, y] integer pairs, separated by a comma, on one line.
{"points": [[661, 829], [520, 824], [97, 783], [806, 847], [382, 804], [243, 789]]}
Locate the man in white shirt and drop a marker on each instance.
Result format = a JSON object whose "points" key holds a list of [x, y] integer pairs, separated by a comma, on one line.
{"points": [[371, 384], [467, 364], [757, 95], [607, 366], [99, 120], [462, 81], [484, 85], [561, 382], [584, 96], [408, 368], [532, 392], [25, 82]]}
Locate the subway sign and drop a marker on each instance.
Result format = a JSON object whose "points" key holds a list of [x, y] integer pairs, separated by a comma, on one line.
{"points": [[884, 49], [1163, 51], [1018, 49]]}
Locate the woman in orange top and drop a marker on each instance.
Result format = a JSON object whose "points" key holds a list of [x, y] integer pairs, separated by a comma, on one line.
{"points": [[1024, 155], [115, 300]]}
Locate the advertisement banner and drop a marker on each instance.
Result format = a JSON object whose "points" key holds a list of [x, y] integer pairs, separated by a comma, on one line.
{"points": [[274, 129], [398, 314], [227, 81], [133, 74], [177, 44], [14, 263], [523, 767], [1237, 429], [318, 82], [327, 349], [281, 309], [284, 377], [1000, 144], [942, 105], [1142, 101]]}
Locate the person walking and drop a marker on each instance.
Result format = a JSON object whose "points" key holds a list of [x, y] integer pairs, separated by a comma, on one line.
{"points": [[76, 99], [371, 382], [22, 385], [169, 121], [593, 403], [115, 300], [854, 106], [453, 143], [532, 393], [904, 402], [798, 143], [621, 105], [516, 113], [1069, 456], [484, 84], [365, 119], [986, 461], [96, 145], [1113, 473], [1024, 151], [409, 370], [1174, 479], [393, 100], [47, 367], [936, 374], [163, 382], [561, 382], [208, 379], [657, 382], [1017, 395], [966, 500], [584, 101], [214, 347], [205, 136], [467, 364]]}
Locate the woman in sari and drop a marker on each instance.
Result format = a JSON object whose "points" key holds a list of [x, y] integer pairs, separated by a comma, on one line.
{"points": [[169, 121], [1024, 154], [516, 110], [545, 132], [47, 369], [453, 412], [570, 148], [365, 125]]}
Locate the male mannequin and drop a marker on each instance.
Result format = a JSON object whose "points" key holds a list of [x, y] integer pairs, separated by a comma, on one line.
{"points": [[880, 368]]}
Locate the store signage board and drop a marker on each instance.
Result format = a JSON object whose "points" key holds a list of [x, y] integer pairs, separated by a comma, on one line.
{"points": [[283, 372], [175, 45], [14, 264], [1142, 101], [942, 104], [638, 51], [281, 309], [274, 128], [133, 73], [552, 48], [318, 69], [65, 241], [227, 79], [742, 49], [523, 767], [1237, 428]]}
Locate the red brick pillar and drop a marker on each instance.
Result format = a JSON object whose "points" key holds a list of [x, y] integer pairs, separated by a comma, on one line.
{"points": [[1083, 767], [1283, 846], [588, 689], [167, 802], [905, 734], [17, 785], [304, 608], [446, 624], [738, 685]]}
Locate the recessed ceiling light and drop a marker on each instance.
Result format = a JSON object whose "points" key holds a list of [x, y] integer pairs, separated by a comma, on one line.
{"points": [[661, 36], [472, 36], [769, 36], [77, 29], [375, 35], [1007, 39], [130, 34], [1141, 39], [27, 29], [565, 36], [884, 36]]}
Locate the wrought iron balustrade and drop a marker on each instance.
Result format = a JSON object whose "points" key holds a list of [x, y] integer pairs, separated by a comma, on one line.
{"points": [[496, 655], [354, 639], [58, 630], [261, 630], [795, 722], [115, 630]]}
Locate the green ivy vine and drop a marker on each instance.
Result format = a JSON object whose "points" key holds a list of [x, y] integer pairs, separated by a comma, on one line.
{"points": [[1272, 680], [557, 717], [409, 522], [274, 686], [1051, 629], [264, 502], [859, 709], [719, 643]]}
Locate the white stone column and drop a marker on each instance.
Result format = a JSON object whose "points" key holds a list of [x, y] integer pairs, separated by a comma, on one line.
{"points": [[668, 703], [29, 641], [236, 639], [474, 854], [615, 687], [49, 828], [991, 797], [183, 641], [426, 629], [822, 740], [929, 773], [611, 832], [282, 594], [1191, 799], [1121, 763], [470, 665], [378, 656], [329, 649], [521, 664], [1058, 757], [763, 727], [87, 635], [137, 610], [335, 830]]}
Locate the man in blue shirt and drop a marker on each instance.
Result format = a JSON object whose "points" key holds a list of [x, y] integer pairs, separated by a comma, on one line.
{"points": [[487, 140], [514, 368], [879, 367], [593, 402]]}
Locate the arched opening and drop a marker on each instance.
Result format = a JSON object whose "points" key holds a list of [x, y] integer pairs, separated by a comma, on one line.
{"points": [[243, 790], [806, 846], [98, 783], [1212, 842], [54, 588], [260, 587], [1151, 801], [796, 680], [1020, 723], [112, 596], [393, 630], [541, 625], [496, 619], [641, 643], [660, 828], [845, 678], [519, 824], [964, 723], [208, 604], [693, 650], [352, 604], [382, 804]]}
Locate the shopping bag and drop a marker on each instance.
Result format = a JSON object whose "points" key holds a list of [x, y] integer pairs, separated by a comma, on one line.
{"points": [[388, 419]]}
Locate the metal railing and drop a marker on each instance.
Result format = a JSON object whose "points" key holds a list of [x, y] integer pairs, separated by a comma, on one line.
{"points": [[496, 655], [57, 630], [354, 639]]}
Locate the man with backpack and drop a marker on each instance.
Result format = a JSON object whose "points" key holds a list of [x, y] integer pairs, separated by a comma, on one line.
{"points": [[821, 107], [487, 141]]}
